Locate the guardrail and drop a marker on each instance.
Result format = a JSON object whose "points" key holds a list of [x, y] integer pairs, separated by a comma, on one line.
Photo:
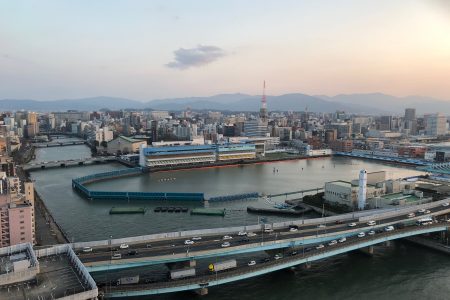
{"points": [[236, 274]]}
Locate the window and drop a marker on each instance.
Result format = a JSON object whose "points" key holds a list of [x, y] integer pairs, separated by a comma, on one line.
{"points": [[22, 233], [21, 222], [22, 227]]}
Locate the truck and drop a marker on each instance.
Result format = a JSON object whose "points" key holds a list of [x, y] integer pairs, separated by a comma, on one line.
{"points": [[128, 280], [221, 266], [182, 273]]}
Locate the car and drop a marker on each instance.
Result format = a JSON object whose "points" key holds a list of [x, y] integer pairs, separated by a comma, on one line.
{"points": [[293, 229], [244, 240], [361, 234], [116, 256], [132, 252], [322, 226], [225, 244], [268, 230], [332, 243], [421, 210], [87, 249], [371, 232], [427, 212], [148, 246], [352, 225], [278, 256], [196, 238], [293, 226], [371, 223], [389, 228], [188, 242], [294, 253], [342, 239], [445, 204], [267, 259], [320, 246], [242, 233], [411, 215], [226, 237], [251, 234], [123, 246], [338, 222], [251, 263]]}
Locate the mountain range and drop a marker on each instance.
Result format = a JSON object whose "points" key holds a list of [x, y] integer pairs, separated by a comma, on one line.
{"points": [[374, 103]]}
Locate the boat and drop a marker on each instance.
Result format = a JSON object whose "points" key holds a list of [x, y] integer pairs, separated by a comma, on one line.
{"points": [[157, 209], [184, 209], [177, 209], [171, 209], [163, 209]]}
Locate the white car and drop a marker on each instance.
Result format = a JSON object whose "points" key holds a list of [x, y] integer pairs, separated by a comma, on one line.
{"points": [[411, 215], [389, 228], [242, 233], [352, 225], [320, 246], [332, 243], [188, 242], [87, 249], [267, 230], [421, 210], [123, 246], [343, 239], [322, 226], [371, 232], [427, 212], [225, 244], [116, 256], [371, 223], [278, 256], [445, 204], [226, 237], [196, 238], [251, 234], [251, 263], [361, 234], [293, 229]]}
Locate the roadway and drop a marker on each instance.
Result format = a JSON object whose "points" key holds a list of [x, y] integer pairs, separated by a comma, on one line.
{"points": [[204, 278], [305, 233]]}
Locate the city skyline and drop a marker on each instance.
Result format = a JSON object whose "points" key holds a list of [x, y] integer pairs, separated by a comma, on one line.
{"points": [[146, 51]]}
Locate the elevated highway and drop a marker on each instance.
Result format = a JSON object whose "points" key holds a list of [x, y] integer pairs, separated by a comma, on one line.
{"points": [[172, 248], [207, 279]]}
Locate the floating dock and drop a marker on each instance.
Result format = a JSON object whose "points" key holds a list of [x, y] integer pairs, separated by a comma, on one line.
{"points": [[126, 210], [208, 211], [276, 211]]}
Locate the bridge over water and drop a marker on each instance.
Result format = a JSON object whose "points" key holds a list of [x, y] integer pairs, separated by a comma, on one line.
{"points": [[67, 163], [58, 144]]}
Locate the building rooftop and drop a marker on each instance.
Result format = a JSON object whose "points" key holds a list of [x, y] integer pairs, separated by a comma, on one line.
{"points": [[400, 196], [130, 140]]}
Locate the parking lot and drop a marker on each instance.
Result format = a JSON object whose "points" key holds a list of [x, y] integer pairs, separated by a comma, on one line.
{"points": [[57, 279]]}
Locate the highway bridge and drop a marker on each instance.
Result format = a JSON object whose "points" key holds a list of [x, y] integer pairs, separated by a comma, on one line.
{"points": [[298, 246], [57, 144], [67, 163]]}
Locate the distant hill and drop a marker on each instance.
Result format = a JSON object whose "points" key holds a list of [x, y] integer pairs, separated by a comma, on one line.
{"points": [[395, 105], [375, 103]]}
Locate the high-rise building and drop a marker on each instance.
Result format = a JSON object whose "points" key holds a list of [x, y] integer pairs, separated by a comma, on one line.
{"points": [[410, 120], [436, 125]]}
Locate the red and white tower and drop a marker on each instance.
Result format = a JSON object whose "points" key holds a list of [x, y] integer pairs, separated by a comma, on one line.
{"points": [[263, 109]]}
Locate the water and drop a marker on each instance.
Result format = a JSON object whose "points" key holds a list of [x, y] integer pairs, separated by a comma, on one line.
{"points": [[402, 271]]}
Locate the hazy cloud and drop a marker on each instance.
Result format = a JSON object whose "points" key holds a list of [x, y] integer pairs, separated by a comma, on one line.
{"points": [[195, 57]]}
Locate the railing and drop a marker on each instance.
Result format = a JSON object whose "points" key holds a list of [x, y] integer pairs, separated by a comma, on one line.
{"points": [[350, 245]]}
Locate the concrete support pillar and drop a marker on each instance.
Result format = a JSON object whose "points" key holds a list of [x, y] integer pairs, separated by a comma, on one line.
{"points": [[387, 243], [307, 265], [202, 291], [367, 250]]}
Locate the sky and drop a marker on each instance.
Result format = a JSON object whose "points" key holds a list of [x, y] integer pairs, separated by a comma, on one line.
{"points": [[148, 50]]}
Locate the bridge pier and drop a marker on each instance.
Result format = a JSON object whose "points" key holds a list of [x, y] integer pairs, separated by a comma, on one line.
{"points": [[387, 243], [367, 250], [202, 291]]}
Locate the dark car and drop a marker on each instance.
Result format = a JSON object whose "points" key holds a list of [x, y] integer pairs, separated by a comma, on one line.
{"points": [[244, 240], [132, 252]]}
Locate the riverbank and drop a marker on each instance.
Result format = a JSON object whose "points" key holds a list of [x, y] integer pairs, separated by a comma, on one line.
{"points": [[429, 243]]}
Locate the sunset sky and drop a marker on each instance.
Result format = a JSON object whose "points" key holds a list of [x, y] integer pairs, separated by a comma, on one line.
{"points": [[159, 49]]}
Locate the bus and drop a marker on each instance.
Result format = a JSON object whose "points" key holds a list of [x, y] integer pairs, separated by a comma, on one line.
{"points": [[424, 221]]}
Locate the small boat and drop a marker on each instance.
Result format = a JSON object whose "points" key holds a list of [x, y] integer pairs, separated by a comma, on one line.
{"points": [[177, 209], [184, 209], [171, 209], [157, 209], [163, 209]]}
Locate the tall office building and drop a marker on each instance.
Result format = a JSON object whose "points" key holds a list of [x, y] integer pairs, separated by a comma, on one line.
{"points": [[436, 125], [410, 120]]}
